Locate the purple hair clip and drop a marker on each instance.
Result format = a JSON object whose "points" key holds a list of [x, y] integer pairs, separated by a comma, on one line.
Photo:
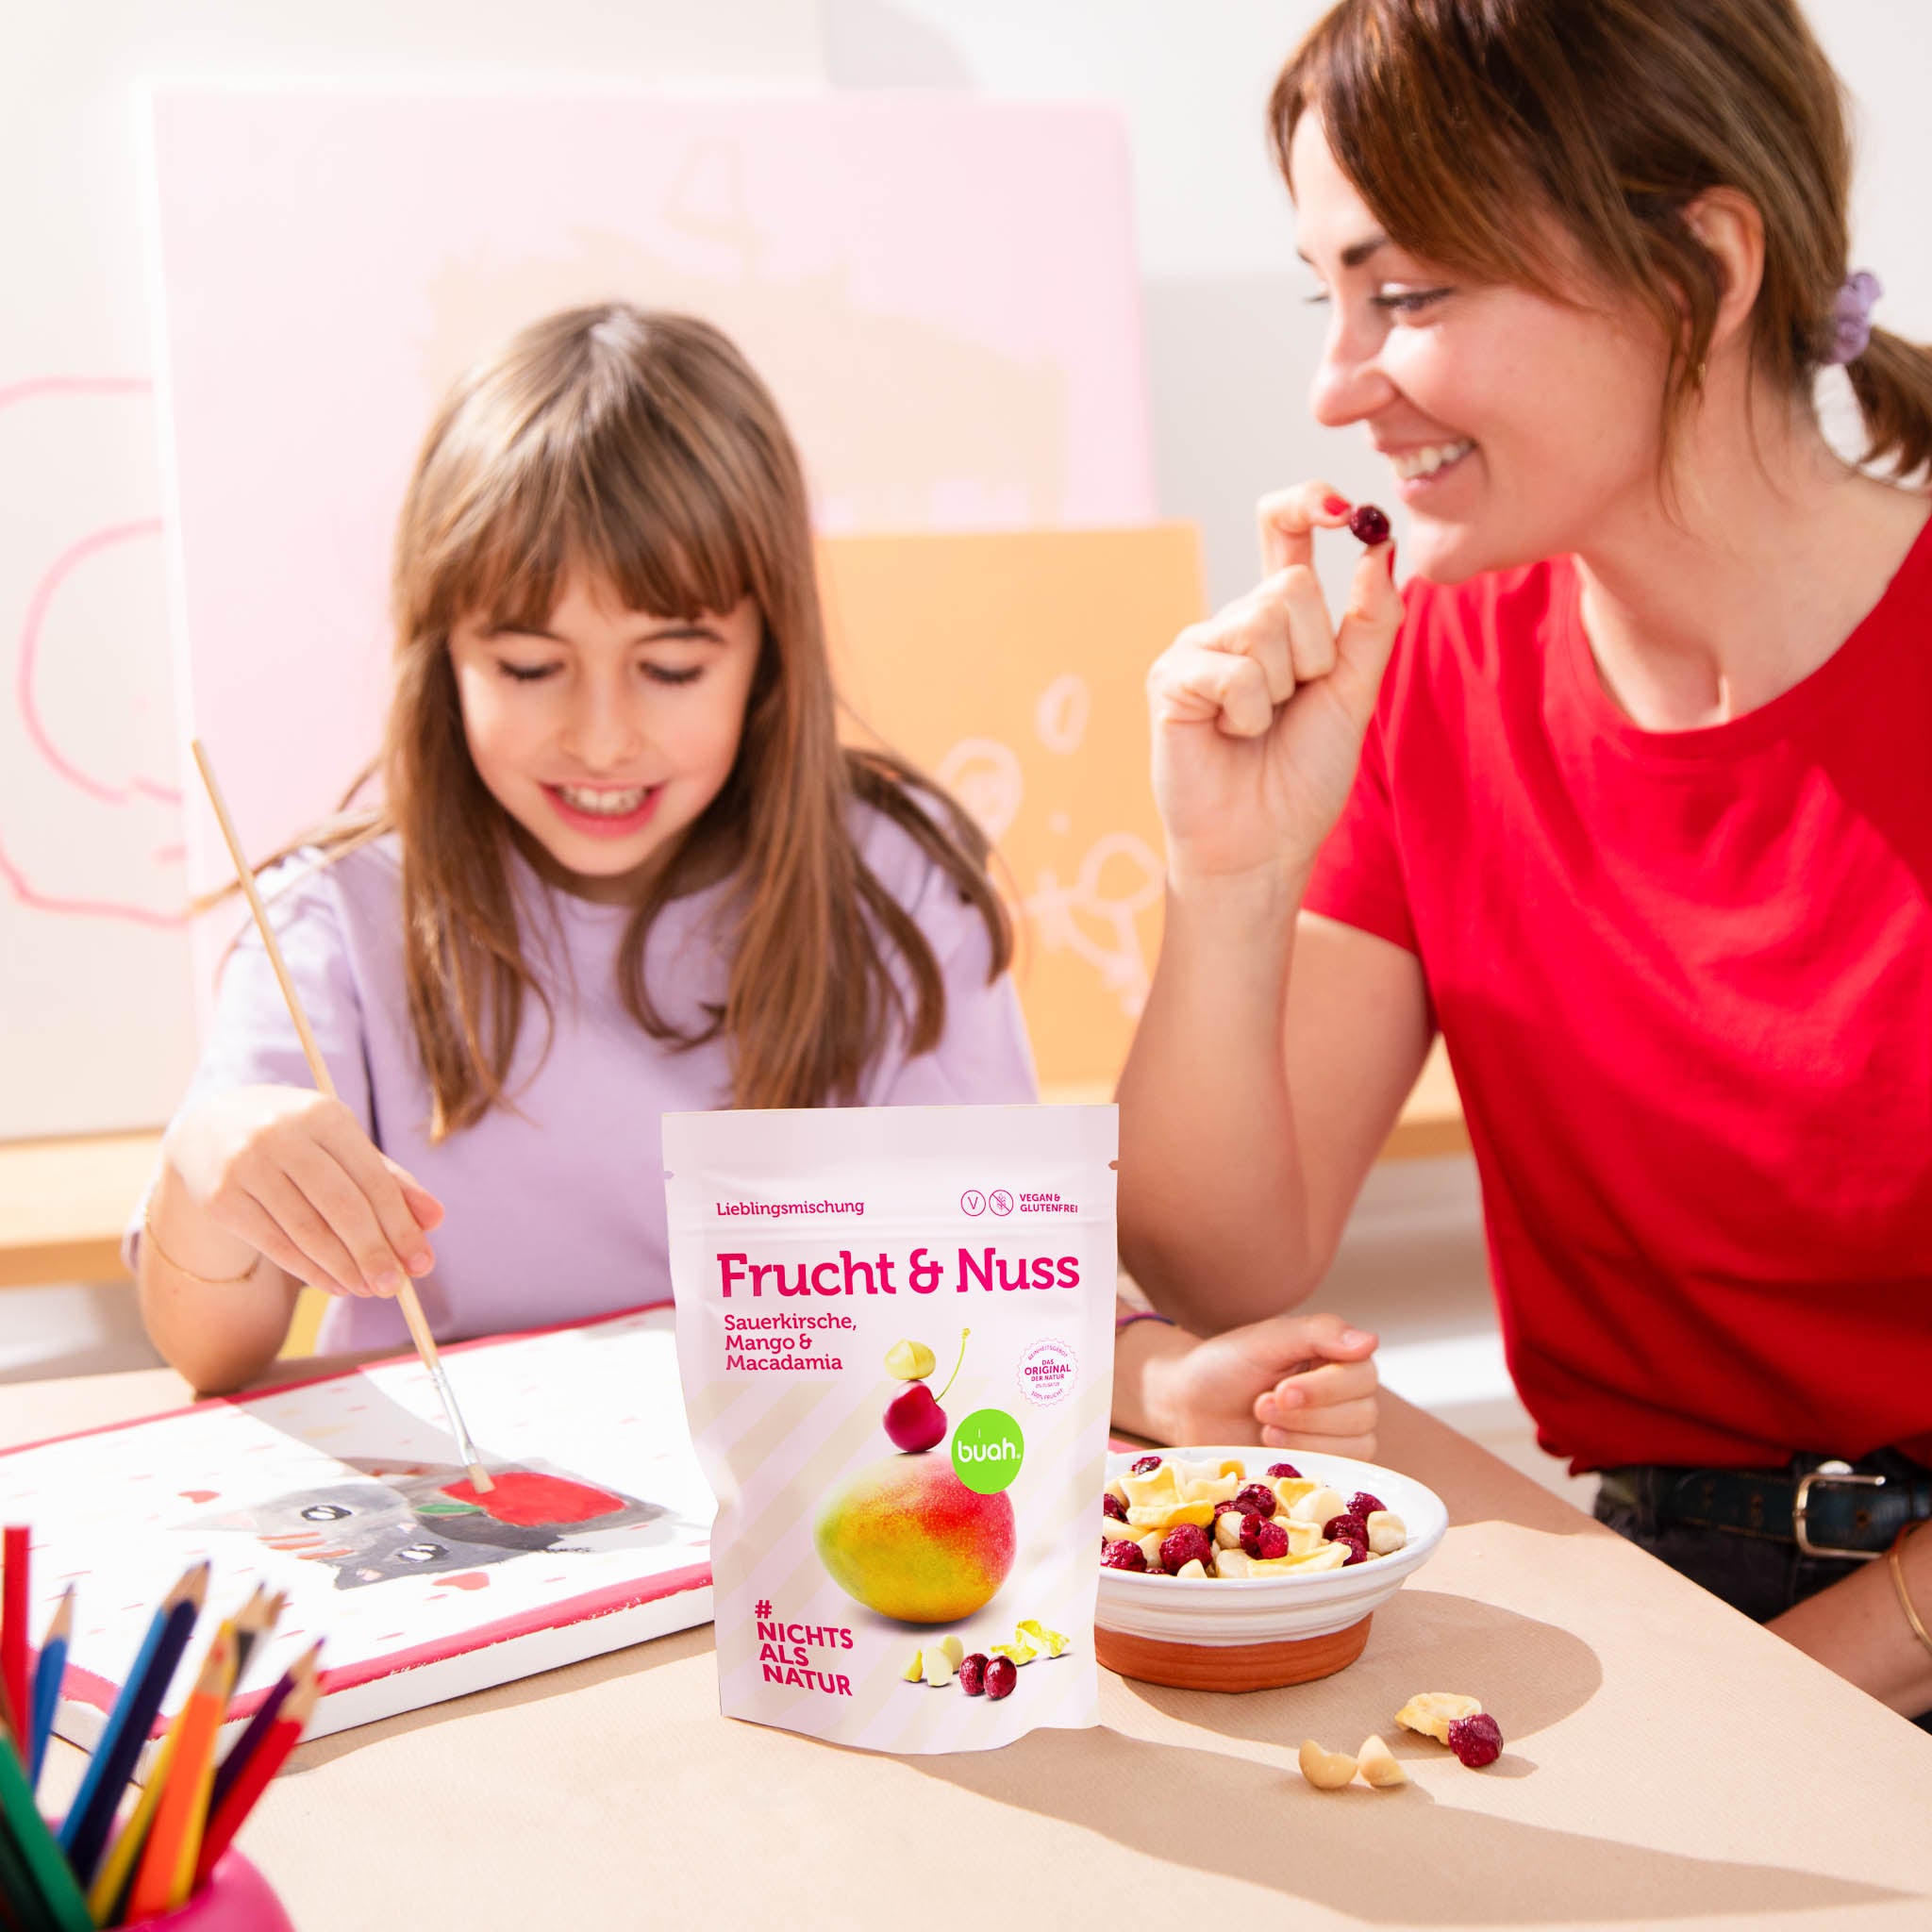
{"points": [[1851, 316]]}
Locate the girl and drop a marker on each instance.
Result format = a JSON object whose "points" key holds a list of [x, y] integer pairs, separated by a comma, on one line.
{"points": [[1642, 816], [622, 865]]}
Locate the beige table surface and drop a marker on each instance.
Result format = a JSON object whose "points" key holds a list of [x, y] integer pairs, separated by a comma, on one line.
{"points": [[1668, 1764]]}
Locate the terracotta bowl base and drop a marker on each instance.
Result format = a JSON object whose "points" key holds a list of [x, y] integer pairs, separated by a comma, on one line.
{"points": [[1230, 1667]]}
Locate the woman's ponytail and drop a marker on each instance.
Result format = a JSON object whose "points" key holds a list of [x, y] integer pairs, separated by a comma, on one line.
{"points": [[1892, 382]]}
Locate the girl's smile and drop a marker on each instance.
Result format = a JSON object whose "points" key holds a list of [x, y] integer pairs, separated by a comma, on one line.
{"points": [[605, 732], [605, 812]]}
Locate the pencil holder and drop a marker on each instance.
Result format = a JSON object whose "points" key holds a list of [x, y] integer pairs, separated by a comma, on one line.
{"points": [[237, 1898]]}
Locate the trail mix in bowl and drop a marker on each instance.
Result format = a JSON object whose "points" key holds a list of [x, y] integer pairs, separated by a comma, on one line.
{"points": [[1167, 1517]]}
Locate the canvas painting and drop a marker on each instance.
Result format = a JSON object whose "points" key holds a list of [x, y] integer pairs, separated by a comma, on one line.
{"points": [[347, 1494]]}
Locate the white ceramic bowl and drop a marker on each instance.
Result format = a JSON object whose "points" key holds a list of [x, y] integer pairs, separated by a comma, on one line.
{"points": [[1219, 1612]]}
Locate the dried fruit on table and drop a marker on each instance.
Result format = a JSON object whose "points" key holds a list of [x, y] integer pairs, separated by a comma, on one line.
{"points": [[1477, 1740], [1327, 1771], [1432, 1712], [972, 1672], [1001, 1676], [1379, 1766]]}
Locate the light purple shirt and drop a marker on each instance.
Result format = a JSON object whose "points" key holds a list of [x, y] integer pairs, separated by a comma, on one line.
{"points": [[554, 1212]]}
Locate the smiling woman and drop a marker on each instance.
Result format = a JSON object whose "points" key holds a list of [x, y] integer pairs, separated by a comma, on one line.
{"points": [[1629, 793]]}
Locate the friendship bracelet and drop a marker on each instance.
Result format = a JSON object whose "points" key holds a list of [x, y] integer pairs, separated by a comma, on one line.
{"points": [[147, 1229], [1120, 1322], [1898, 1583]]}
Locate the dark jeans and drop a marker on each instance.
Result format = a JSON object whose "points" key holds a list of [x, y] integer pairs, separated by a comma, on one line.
{"points": [[1755, 1575]]}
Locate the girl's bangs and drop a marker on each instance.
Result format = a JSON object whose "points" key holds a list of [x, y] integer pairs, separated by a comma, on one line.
{"points": [[608, 502]]}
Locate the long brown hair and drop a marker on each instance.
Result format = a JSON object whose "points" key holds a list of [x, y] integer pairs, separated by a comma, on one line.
{"points": [[1466, 125], [641, 447]]}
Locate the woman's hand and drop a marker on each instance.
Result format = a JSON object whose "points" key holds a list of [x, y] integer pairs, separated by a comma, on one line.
{"points": [[290, 1173], [1289, 1382], [1259, 713]]}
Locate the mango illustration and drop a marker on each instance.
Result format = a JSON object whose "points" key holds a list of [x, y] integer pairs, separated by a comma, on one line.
{"points": [[907, 1538]]}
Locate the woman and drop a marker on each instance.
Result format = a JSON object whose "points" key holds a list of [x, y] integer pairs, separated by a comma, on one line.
{"points": [[1640, 815]]}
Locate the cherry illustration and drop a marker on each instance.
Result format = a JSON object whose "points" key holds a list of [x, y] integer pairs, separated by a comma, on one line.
{"points": [[914, 1419]]}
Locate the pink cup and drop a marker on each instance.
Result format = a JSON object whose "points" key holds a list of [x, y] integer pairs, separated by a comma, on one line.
{"points": [[235, 1899]]}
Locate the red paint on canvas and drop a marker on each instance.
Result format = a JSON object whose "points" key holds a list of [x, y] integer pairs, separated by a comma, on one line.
{"points": [[525, 1498]]}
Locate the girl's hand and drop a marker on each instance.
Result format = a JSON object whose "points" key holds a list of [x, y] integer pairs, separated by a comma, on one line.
{"points": [[1259, 713], [1290, 1382], [292, 1174]]}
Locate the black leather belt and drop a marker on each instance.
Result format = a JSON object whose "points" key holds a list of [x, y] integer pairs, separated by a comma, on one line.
{"points": [[1825, 1507]]}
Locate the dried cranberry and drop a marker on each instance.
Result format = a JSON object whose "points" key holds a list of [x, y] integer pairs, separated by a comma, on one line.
{"points": [[1187, 1545], [1119, 1553], [1363, 1504], [1146, 1465], [972, 1672], [1370, 523], [1351, 1529], [1357, 1553], [1111, 1506], [1477, 1741], [1262, 1540], [1287, 1469], [1256, 1499], [1002, 1673]]}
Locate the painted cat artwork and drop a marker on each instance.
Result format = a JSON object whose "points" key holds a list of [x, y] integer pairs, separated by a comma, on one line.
{"points": [[415, 1520], [345, 1494]]}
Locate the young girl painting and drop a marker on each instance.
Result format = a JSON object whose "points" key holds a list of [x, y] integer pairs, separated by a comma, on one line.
{"points": [[622, 864]]}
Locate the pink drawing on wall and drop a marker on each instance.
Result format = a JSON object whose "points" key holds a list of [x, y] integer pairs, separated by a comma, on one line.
{"points": [[942, 293], [88, 829]]}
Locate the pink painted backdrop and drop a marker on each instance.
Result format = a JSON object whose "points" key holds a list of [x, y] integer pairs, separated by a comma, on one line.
{"points": [[942, 293]]}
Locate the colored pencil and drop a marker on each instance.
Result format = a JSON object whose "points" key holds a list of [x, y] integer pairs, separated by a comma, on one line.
{"points": [[174, 1843], [262, 1764], [15, 1569], [253, 1625], [91, 1814], [50, 1669], [51, 1881], [20, 1905], [258, 1726], [318, 1068], [107, 1897]]}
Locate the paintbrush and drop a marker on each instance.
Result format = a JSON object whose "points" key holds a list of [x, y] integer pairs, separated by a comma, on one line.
{"points": [[318, 1068]]}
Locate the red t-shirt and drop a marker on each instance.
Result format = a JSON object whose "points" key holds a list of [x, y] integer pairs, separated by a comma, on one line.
{"points": [[1685, 980]]}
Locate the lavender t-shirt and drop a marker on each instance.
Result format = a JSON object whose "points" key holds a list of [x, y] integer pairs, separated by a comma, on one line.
{"points": [[554, 1212]]}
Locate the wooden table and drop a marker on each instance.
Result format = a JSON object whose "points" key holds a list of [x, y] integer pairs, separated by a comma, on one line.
{"points": [[1668, 1764]]}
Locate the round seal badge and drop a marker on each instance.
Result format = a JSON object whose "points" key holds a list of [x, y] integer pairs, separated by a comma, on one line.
{"points": [[1048, 1372]]}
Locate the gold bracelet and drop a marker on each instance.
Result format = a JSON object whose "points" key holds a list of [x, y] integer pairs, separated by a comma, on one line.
{"points": [[147, 1229], [1898, 1583]]}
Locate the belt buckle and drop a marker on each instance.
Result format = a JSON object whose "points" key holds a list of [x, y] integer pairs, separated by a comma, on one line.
{"points": [[1830, 1473]]}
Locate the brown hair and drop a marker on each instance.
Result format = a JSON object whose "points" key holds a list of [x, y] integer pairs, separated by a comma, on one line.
{"points": [[1466, 125], [641, 447]]}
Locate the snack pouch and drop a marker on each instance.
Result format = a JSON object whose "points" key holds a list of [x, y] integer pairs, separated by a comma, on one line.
{"points": [[895, 1334]]}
